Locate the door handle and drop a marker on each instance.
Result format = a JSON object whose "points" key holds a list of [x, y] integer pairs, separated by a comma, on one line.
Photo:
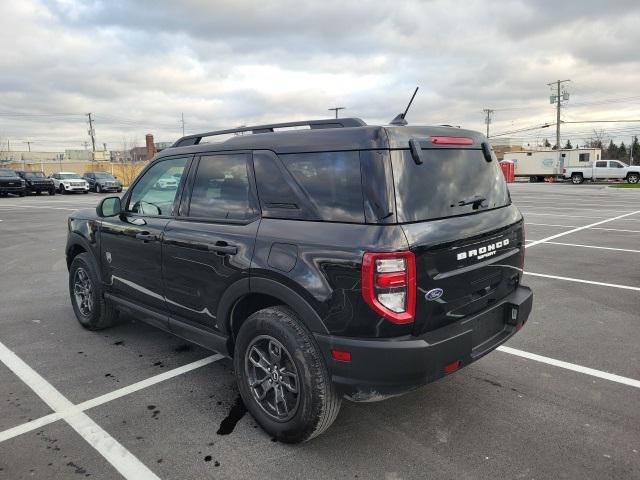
{"points": [[223, 248], [146, 237]]}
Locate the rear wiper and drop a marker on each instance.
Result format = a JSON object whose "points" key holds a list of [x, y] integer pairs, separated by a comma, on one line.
{"points": [[476, 202]]}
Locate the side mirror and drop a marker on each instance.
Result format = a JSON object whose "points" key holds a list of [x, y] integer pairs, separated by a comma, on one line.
{"points": [[109, 207]]}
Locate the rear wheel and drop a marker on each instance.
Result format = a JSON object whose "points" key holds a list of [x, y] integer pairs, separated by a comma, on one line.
{"points": [[633, 178], [87, 297], [21, 194], [98, 188], [577, 179], [52, 191], [282, 377]]}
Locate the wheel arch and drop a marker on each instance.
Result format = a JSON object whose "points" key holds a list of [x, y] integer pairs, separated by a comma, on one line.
{"points": [[248, 296]]}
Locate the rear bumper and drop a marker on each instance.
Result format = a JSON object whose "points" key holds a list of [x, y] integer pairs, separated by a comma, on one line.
{"points": [[380, 368]]}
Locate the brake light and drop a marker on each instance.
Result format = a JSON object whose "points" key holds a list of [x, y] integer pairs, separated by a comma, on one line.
{"points": [[451, 141], [389, 285]]}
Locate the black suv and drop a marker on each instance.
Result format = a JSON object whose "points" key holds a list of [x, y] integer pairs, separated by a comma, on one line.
{"points": [[10, 182], [101, 182], [37, 182], [338, 260]]}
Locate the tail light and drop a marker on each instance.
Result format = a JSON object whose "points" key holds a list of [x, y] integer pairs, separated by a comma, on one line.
{"points": [[389, 285]]}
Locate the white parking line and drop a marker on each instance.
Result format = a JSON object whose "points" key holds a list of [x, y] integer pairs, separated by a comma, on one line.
{"points": [[580, 280], [121, 392], [117, 455], [572, 216], [571, 366], [590, 228], [577, 229], [592, 246], [10, 207]]}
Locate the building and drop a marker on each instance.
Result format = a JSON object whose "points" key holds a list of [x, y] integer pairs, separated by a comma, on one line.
{"points": [[502, 145]]}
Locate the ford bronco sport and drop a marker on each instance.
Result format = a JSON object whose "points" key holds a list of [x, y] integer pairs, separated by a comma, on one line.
{"points": [[333, 260]]}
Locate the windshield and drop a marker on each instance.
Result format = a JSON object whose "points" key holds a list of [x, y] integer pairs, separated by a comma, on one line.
{"points": [[74, 176], [7, 173], [450, 182], [107, 176], [34, 174]]}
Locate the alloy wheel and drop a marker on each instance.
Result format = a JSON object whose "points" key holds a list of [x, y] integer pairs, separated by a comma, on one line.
{"points": [[83, 291], [273, 378]]}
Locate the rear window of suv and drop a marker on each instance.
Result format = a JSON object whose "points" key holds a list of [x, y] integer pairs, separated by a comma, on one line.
{"points": [[448, 183]]}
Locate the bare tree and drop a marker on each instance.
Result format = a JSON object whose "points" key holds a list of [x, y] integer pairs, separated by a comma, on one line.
{"points": [[598, 140]]}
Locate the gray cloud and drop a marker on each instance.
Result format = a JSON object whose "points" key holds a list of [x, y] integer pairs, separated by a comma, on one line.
{"points": [[138, 64]]}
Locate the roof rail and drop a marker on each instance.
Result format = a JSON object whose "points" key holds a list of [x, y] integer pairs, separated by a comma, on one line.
{"points": [[269, 128]]}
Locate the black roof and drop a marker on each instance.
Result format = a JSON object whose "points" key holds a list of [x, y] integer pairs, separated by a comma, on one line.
{"points": [[321, 135]]}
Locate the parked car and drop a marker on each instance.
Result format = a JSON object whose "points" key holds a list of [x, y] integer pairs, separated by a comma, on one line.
{"points": [[603, 169], [342, 260], [102, 182], [37, 182], [69, 182], [10, 182], [167, 182]]}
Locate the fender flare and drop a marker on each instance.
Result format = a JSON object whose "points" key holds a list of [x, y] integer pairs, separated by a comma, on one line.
{"points": [[273, 288], [77, 239]]}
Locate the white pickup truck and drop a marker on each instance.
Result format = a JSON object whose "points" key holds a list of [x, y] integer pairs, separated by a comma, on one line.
{"points": [[603, 169]]}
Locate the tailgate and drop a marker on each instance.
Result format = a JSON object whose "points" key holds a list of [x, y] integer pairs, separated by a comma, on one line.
{"points": [[464, 265]]}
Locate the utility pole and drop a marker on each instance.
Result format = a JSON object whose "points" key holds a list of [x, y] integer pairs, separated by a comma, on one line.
{"points": [[336, 109], [92, 134], [182, 119], [487, 119], [28, 145], [557, 99]]}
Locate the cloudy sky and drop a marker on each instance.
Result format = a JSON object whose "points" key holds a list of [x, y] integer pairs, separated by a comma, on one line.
{"points": [[138, 65]]}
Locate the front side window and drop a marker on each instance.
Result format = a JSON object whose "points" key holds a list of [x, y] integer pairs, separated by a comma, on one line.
{"points": [[615, 165], [154, 194], [221, 190]]}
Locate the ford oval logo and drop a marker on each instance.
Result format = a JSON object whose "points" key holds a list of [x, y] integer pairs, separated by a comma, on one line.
{"points": [[433, 294]]}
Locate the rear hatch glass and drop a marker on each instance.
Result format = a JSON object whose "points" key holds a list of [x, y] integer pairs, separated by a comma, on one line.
{"points": [[448, 183]]}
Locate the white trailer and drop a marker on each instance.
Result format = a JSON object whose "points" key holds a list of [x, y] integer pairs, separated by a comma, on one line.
{"points": [[538, 165]]}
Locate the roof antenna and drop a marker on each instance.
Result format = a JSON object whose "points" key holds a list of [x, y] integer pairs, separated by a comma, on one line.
{"points": [[399, 120]]}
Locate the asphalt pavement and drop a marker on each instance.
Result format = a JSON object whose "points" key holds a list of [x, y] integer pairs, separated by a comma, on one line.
{"points": [[560, 402]]}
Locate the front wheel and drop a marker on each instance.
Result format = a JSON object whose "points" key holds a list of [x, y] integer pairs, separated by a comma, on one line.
{"points": [[91, 309], [577, 179], [282, 376], [98, 188], [52, 191], [633, 178]]}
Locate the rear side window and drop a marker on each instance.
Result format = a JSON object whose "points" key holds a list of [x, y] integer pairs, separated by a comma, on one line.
{"points": [[221, 189], [450, 182], [331, 181]]}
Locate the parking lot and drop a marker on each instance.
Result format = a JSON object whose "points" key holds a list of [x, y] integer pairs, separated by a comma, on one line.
{"points": [[559, 400]]}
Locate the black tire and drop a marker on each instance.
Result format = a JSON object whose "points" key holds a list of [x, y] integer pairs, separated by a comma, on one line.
{"points": [[633, 178], [85, 191], [98, 188], [317, 402], [100, 313], [61, 189], [577, 179], [52, 191], [38, 192], [22, 194]]}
